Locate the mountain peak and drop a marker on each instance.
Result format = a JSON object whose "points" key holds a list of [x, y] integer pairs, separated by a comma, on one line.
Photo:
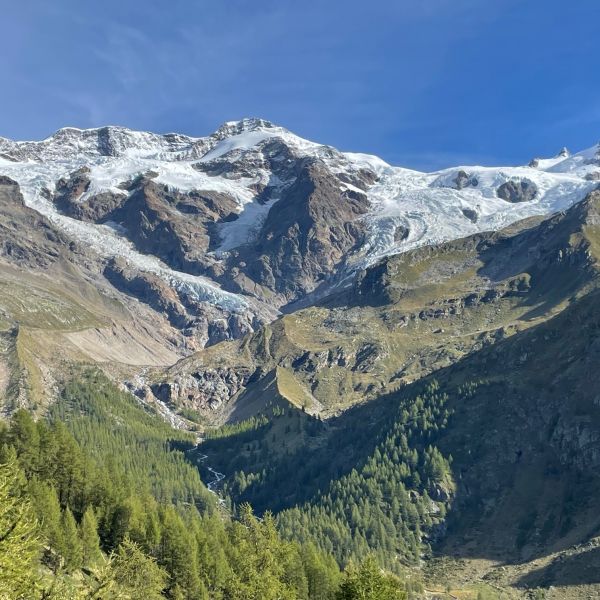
{"points": [[245, 125], [249, 124], [107, 141], [116, 141]]}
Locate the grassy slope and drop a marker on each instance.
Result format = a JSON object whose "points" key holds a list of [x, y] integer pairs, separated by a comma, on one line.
{"points": [[49, 322]]}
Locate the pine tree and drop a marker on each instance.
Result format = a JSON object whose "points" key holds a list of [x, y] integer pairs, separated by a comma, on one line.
{"points": [[322, 573], [90, 541], [19, 542], [137, 575], [178, 557], [47, 508], [25, 439], [71, 545], [367, 582]]}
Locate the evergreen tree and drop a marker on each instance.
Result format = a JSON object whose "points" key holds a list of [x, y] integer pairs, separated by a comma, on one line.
{"points": [[263, 563], [177, 555], [368, 582], [47, 508], [90, 541], [19, 543], [71, 550], [137, 576], [322, 573]]}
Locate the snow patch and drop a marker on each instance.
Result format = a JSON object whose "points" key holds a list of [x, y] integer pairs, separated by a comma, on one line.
{"points": [[245, 228], [243, 141]]}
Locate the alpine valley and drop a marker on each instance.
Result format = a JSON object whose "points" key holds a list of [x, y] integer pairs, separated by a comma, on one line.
{"points": [[254, 366]]}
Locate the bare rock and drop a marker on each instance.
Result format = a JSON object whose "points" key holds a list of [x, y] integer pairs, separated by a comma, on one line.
{"points": [[470, 214], [517, 190], [206, 389]]}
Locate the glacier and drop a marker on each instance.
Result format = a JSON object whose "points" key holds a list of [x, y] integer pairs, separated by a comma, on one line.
{"points": [[428, 207]]}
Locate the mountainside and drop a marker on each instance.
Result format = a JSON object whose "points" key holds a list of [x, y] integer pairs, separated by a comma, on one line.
{"points": [[479, 444], [404, 317], [219, 233], [393, 362]]}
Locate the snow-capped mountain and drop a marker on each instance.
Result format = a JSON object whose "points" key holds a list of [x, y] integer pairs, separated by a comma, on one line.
{"points": [[253, 218]]}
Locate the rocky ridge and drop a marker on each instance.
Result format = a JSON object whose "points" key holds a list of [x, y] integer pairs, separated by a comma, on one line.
{"points": [[252, 219]]}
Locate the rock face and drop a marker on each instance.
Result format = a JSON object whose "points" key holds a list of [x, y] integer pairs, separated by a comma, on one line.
{"points": [[148, 288], [305, 236], [217, 235], [172, 225], [103, 142], [71, 197], [200, 322], [203, 390], [27, 239], [464, 179], [522, 190], [470, 214]]}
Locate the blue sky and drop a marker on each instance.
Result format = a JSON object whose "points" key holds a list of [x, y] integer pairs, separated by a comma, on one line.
{"points": [[422, 83]]}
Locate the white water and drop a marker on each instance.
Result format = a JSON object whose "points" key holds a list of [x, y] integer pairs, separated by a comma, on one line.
{"points": [[218, 477]]}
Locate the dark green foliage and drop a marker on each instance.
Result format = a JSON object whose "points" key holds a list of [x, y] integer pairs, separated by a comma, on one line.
{"points": [[132, 443], [90, 541], [132, 543], [70, 548], [367, 582], [364, 485], [191, 415], [238, 429], [178, 554], [322, 572], [136, 574], [386, 504], [19, 540]]}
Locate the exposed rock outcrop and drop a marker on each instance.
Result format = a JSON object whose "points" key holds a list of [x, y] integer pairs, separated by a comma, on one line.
{"points": [[464, 179], [470, 214], [73, 199], [204, 390], [26, 237], [306, 235], [148, 288], [173, 225], [521, 190]]}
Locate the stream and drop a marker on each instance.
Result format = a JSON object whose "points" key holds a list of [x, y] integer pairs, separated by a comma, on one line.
{"points": [[213, 483], [178, 423]]}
